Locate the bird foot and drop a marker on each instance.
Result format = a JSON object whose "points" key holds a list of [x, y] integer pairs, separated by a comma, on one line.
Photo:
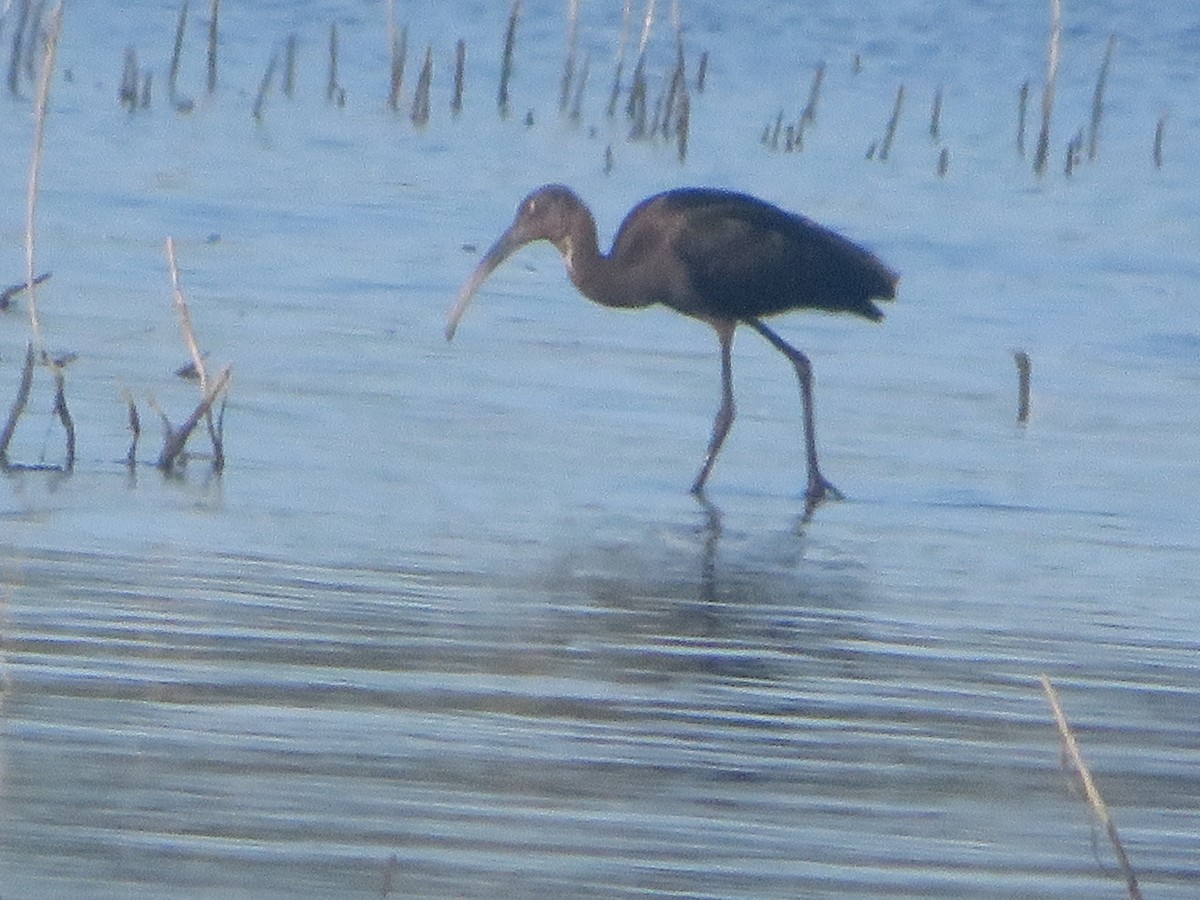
{"points": [[820, 490]]}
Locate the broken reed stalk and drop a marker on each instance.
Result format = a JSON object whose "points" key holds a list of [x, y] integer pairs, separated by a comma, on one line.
{"points": [[289, 67], [580, 84], [260, 101], [420, 104], [185, 317], [177, 52], [399, 58], [1160, 130], [809, 115], [622, 42], [635, 106], [568, 74], [127, 94], [682, 125], [1098, 99], [935, 116], [1024, 371], [331, 83], [135, 427], [18, 48], [213, 32], [1022, 115], [510, 40], [1042, 154], [702, 72], [176, 439], [64, 415], [460, 64], [675, 91], [1095, 800], [889, 136]]}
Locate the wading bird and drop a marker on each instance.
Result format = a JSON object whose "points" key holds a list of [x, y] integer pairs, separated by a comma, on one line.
{"points": [[721, 257]]}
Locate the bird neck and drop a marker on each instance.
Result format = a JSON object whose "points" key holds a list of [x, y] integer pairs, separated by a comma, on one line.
{"points": [[593, 272]]}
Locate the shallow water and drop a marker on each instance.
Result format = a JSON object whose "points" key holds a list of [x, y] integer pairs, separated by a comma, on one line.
{"points": [[449, 623]]}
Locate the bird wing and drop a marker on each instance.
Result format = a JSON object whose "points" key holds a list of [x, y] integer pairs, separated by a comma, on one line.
{"points": [[748, 258]]}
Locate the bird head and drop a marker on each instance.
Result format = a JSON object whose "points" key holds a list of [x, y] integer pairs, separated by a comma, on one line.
{"points": [[544, 215]]}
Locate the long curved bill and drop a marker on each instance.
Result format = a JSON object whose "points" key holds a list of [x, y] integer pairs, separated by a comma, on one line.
{"points": [[507, 244]]}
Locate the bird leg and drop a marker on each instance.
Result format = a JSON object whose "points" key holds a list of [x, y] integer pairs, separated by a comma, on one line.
{"points": [[726, 413], [819, 487]]}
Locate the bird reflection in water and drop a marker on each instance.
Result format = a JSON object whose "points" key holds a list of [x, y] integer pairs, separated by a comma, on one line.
{"points": [[721, 257]]}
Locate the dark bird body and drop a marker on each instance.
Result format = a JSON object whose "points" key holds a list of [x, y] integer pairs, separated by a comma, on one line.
{"points": [[722, 257]]}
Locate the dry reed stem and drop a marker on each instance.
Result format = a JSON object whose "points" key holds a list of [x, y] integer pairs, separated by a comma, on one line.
{"points": [[64, 415], [622, 43], [1071, 749], [420, 104], [185, 317], [647, 26], [176, 440], [510, 40], [177, 52], [1098, 99], [289, 67], [178, 437], [1160, 130], [580, 85], [682, 127], [35, 168], [127, 94], [460, 65], [18, 407], [213, 31], [1042, 154], [889, 136], [568, 74], [331, 84], [809, 115], [399, 58], [1022, 115], [1024, 372], [135, 427], [264, 86], [935, 116], [702, 72], [18, 48]]}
